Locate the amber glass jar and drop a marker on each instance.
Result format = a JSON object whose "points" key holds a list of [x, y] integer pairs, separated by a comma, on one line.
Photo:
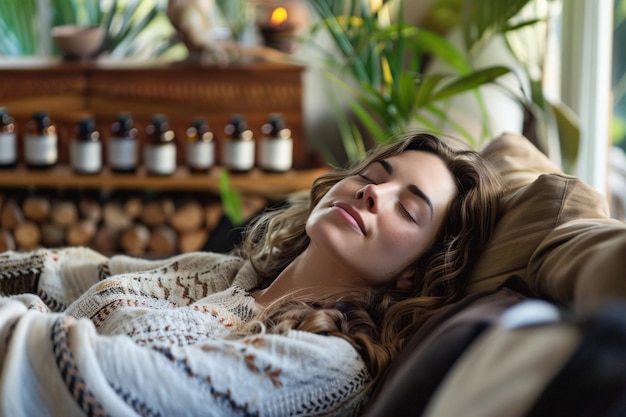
{"points": [[238, 151], [8, 140], [200, 147], [86, 148], [276, 145], [40, 142], [122, 144], [160, 147]]}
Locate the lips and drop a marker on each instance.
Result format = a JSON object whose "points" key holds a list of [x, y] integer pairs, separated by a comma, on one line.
{"points": [[351, 215]]}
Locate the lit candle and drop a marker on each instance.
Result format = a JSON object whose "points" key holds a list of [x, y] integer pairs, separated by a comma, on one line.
{"points": [[279, 16], [279, 23]]}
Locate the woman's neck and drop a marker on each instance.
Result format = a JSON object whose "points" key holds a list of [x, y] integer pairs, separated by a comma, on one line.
{"points": [[311, 275]]}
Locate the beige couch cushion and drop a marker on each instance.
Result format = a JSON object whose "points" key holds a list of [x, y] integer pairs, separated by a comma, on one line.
{"points": [[534, 223], [517, 160]]}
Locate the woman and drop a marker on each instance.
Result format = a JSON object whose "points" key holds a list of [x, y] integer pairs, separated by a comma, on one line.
{"points": [[314, 305]]}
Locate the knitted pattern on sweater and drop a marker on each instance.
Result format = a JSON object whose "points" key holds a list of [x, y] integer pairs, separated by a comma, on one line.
{"points": [[129, 337]]}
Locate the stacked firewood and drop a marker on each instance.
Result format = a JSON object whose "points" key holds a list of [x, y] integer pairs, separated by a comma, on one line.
{"points": [[162, 224]]}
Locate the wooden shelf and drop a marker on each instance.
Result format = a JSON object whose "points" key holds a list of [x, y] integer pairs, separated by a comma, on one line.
{"points": [[271, 185], [180, 90]]}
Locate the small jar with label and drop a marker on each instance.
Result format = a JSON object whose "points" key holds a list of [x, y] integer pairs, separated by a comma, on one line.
{"points": [[86, 148], [8, 140], [238, 151], [200, 147], [40, 142], [122, 145], [276, 153], [159, 152]]}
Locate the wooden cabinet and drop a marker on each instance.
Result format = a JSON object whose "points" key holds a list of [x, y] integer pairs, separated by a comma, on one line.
{"points": [[69, 91], [181, 91]]}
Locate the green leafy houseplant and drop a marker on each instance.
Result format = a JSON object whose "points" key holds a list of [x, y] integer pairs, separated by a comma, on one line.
{"points": [[133, 27], [551, 125], [380, 60], [381, 66]]}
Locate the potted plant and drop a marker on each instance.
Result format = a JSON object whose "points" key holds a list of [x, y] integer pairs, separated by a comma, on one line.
{"points": [[130, 28], [379, 60]]}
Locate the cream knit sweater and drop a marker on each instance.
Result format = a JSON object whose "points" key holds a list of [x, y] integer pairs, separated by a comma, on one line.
{"points": [[134, 337]]}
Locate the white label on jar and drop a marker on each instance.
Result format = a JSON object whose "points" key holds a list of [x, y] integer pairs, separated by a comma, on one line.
{"points": [[86, 156], [200, 155], [276, 154], [160, 159], [40, 149], [122, 153], [239, 154], [8, 148]]}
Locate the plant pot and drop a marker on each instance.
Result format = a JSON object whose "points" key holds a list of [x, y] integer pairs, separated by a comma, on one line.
{"points": [[78, 42]]}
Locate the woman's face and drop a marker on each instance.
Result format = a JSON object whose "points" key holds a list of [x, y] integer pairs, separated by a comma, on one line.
{"points": [[375, 224]]}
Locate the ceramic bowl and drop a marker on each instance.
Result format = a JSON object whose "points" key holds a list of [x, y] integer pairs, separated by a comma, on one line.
{"points": [[78, 42]]}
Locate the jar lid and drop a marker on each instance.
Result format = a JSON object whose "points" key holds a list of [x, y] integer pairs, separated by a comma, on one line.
{"points": [[160, 126], [275, 127], [125, 120], [238, 128], [124, 125], [41, 119], [86, 130], [5, 118]]}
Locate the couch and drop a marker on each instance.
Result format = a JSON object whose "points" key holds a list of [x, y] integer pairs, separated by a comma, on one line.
{"points": [[510, 347]]}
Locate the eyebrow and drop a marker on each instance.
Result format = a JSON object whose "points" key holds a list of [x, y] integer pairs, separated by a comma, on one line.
{"points": [[413, 189]]}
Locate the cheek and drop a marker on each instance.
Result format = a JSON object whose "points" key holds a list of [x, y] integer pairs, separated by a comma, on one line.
{"points": [[405, 245]]}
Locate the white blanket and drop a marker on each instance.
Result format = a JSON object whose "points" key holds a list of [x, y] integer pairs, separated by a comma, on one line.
{"points": [[156, 339]]}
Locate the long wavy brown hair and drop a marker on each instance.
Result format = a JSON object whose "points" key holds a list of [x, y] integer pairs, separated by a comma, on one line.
{"points": [[380, 322]]}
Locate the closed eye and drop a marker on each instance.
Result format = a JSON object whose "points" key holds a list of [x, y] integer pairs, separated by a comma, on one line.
{"points": [[405, 213], [366, 178]]}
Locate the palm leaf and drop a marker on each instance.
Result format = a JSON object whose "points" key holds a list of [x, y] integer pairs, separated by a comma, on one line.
{"points": [[427, 84], [339, 36], [439, 47], [470, 82], [484, 18], [404, 95], [20, 27]]}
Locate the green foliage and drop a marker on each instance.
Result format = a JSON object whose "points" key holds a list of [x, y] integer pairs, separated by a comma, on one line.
{"points": [[130, 25], [20, 26], [231, 201], [618, 130], [133, 27], [483, 19], [380, 65], [235, 14], [80, 12], [556, 126], [381, 59]]}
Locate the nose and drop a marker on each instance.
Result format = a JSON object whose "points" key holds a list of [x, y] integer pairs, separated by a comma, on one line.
{"points": [[376, 196]]}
